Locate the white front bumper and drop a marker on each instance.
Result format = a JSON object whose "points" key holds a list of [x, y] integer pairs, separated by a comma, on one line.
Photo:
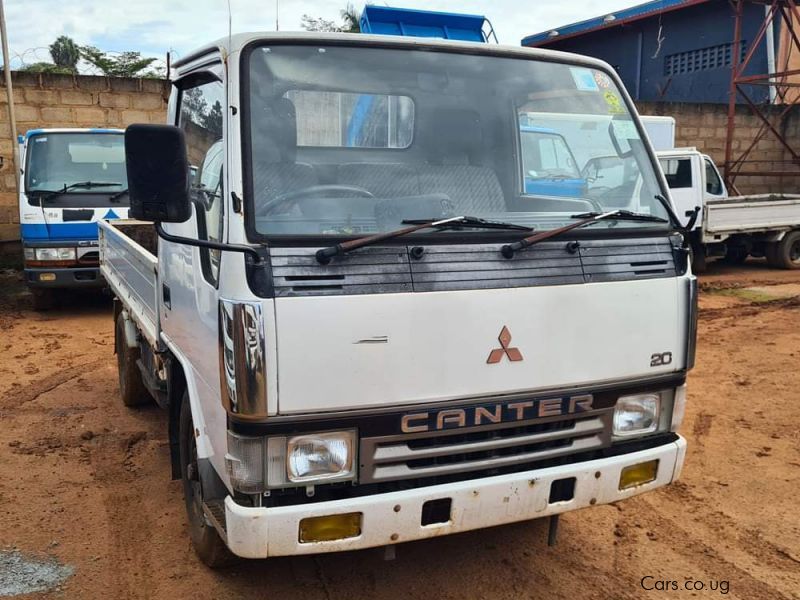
{"points": [[263, 532]]}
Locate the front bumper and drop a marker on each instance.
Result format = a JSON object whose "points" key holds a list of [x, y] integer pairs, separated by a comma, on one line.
{"points": [[263, 532], [73, 277]]}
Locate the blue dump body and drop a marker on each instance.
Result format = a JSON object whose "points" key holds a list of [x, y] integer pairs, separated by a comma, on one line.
{"points": [[385, 20]]}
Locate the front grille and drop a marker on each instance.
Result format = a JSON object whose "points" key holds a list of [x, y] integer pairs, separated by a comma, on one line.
{"points": [[386, 269], [433, 454]]}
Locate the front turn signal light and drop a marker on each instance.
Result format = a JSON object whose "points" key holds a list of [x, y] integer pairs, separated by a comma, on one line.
{"points": [[638, 474], [330, 528]]}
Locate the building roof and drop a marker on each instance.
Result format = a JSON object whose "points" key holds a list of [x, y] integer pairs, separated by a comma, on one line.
{"points": [[609, 20]]}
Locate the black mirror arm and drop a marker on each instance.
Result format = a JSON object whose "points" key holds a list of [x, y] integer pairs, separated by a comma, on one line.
{"points": [[177, 239]]}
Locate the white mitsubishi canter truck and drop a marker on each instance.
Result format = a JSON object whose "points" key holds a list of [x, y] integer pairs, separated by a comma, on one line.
{"points": [[364, 329]]}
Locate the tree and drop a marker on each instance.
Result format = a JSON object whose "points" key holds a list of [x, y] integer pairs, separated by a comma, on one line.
{"points": [[65, 53], [124, 64], [46, 67], [350, 21]]}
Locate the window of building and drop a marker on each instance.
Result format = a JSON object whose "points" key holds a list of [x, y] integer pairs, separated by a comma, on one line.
{"points": [[702, 59]]}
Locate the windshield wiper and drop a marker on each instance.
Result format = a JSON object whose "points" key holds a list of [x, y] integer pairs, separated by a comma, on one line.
{"points": [[116, 196], [324, 255], [472, 222], [50, 194], [586, 219], [625, 215]]}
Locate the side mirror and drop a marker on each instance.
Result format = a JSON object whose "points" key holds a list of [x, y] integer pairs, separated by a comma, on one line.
{"points": [[158, 173]]}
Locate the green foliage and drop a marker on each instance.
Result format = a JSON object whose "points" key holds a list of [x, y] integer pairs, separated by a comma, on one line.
{"points": [[46, 67], [350, 22], [124, 64], [65, 53], [350, 19]]}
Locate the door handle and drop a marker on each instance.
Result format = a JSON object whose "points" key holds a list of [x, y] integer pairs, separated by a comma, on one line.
{"points": [[165, 296]]}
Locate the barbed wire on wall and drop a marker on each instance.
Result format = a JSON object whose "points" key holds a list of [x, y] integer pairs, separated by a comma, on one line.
{"points": [[31, 56]]}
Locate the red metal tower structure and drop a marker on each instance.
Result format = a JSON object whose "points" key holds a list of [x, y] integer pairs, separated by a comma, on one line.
{"points": [[783, 80]]}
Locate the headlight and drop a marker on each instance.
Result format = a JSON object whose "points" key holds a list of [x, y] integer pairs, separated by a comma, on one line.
{"points": [[322, 456], [637, 415], [55, 253], [257, 464], [30, 254]]}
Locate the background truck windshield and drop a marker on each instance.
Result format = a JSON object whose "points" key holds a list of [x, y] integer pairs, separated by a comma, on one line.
{"points": [[56, 160], [346, 140]]}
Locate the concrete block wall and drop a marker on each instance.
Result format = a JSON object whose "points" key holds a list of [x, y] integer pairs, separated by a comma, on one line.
{"points": [[47, 100], [704, 126]]}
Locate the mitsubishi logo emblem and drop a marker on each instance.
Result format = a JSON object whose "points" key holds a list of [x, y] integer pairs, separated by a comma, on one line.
{"points": [[496, 355]]}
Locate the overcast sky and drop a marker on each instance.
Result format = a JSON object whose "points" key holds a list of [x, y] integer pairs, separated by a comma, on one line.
{"points": [[155, 26]]}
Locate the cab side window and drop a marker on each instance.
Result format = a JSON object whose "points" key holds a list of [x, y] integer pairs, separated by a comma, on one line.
{"points": [[678, 172], [713, 183], [201, 112]]}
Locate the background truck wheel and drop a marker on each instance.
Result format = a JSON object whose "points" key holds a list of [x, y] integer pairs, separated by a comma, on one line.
{"points": [[131, 387], [43, 298], [736, 255], [699, 261], [771, 254], [206, 541], [788, 251]]}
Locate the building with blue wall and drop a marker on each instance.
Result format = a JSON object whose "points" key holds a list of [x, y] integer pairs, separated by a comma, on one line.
{"points": [[669, 50]]}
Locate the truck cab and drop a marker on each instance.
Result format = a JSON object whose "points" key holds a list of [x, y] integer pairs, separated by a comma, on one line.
{"points": [[71, 178], [358, 338], [693, 180]]}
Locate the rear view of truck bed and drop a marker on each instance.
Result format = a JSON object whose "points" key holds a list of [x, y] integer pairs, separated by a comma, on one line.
{"points": [[128, 252]]}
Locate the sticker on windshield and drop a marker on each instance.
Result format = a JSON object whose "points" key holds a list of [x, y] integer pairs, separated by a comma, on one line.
{"points": [[625, 129], [39, 139], [584, 79], [614, 103], [602, 80]]}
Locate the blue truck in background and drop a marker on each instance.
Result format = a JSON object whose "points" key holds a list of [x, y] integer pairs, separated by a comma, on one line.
{"points": [[70, 179]]}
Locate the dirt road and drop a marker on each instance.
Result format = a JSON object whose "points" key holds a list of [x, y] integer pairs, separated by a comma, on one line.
{"points": [[85, 481]]}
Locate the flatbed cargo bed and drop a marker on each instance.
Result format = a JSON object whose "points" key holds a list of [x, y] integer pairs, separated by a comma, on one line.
{"points": [[762, 213], [128, 251]]}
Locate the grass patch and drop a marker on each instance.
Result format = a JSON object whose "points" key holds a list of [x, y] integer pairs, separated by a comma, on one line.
{"points": [[745, 294]]}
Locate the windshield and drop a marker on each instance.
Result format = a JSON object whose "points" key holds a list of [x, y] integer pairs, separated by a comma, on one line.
{"points": [[60, 159], [352, 141]]}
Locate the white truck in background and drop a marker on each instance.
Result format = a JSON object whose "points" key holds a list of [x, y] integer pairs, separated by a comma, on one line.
{"points": [[364, 328], [763, 225]]}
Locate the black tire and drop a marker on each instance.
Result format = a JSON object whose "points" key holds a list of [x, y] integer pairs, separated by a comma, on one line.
{"points": [[131, 387], [207, 543], [736, 255], [43, 299], [788, 252], [698, 258], [771, 254]]}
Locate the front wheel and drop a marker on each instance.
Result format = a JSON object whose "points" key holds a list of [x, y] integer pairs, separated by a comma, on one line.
{"points": [[208, 545]]}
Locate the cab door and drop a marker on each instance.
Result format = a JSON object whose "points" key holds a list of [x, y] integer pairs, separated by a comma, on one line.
{"points": [[684, 176], [190, 275]]}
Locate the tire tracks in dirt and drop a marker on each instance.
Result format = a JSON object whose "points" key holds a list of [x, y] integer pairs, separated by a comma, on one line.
{"points": [[131, 528], [20, 394]]}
